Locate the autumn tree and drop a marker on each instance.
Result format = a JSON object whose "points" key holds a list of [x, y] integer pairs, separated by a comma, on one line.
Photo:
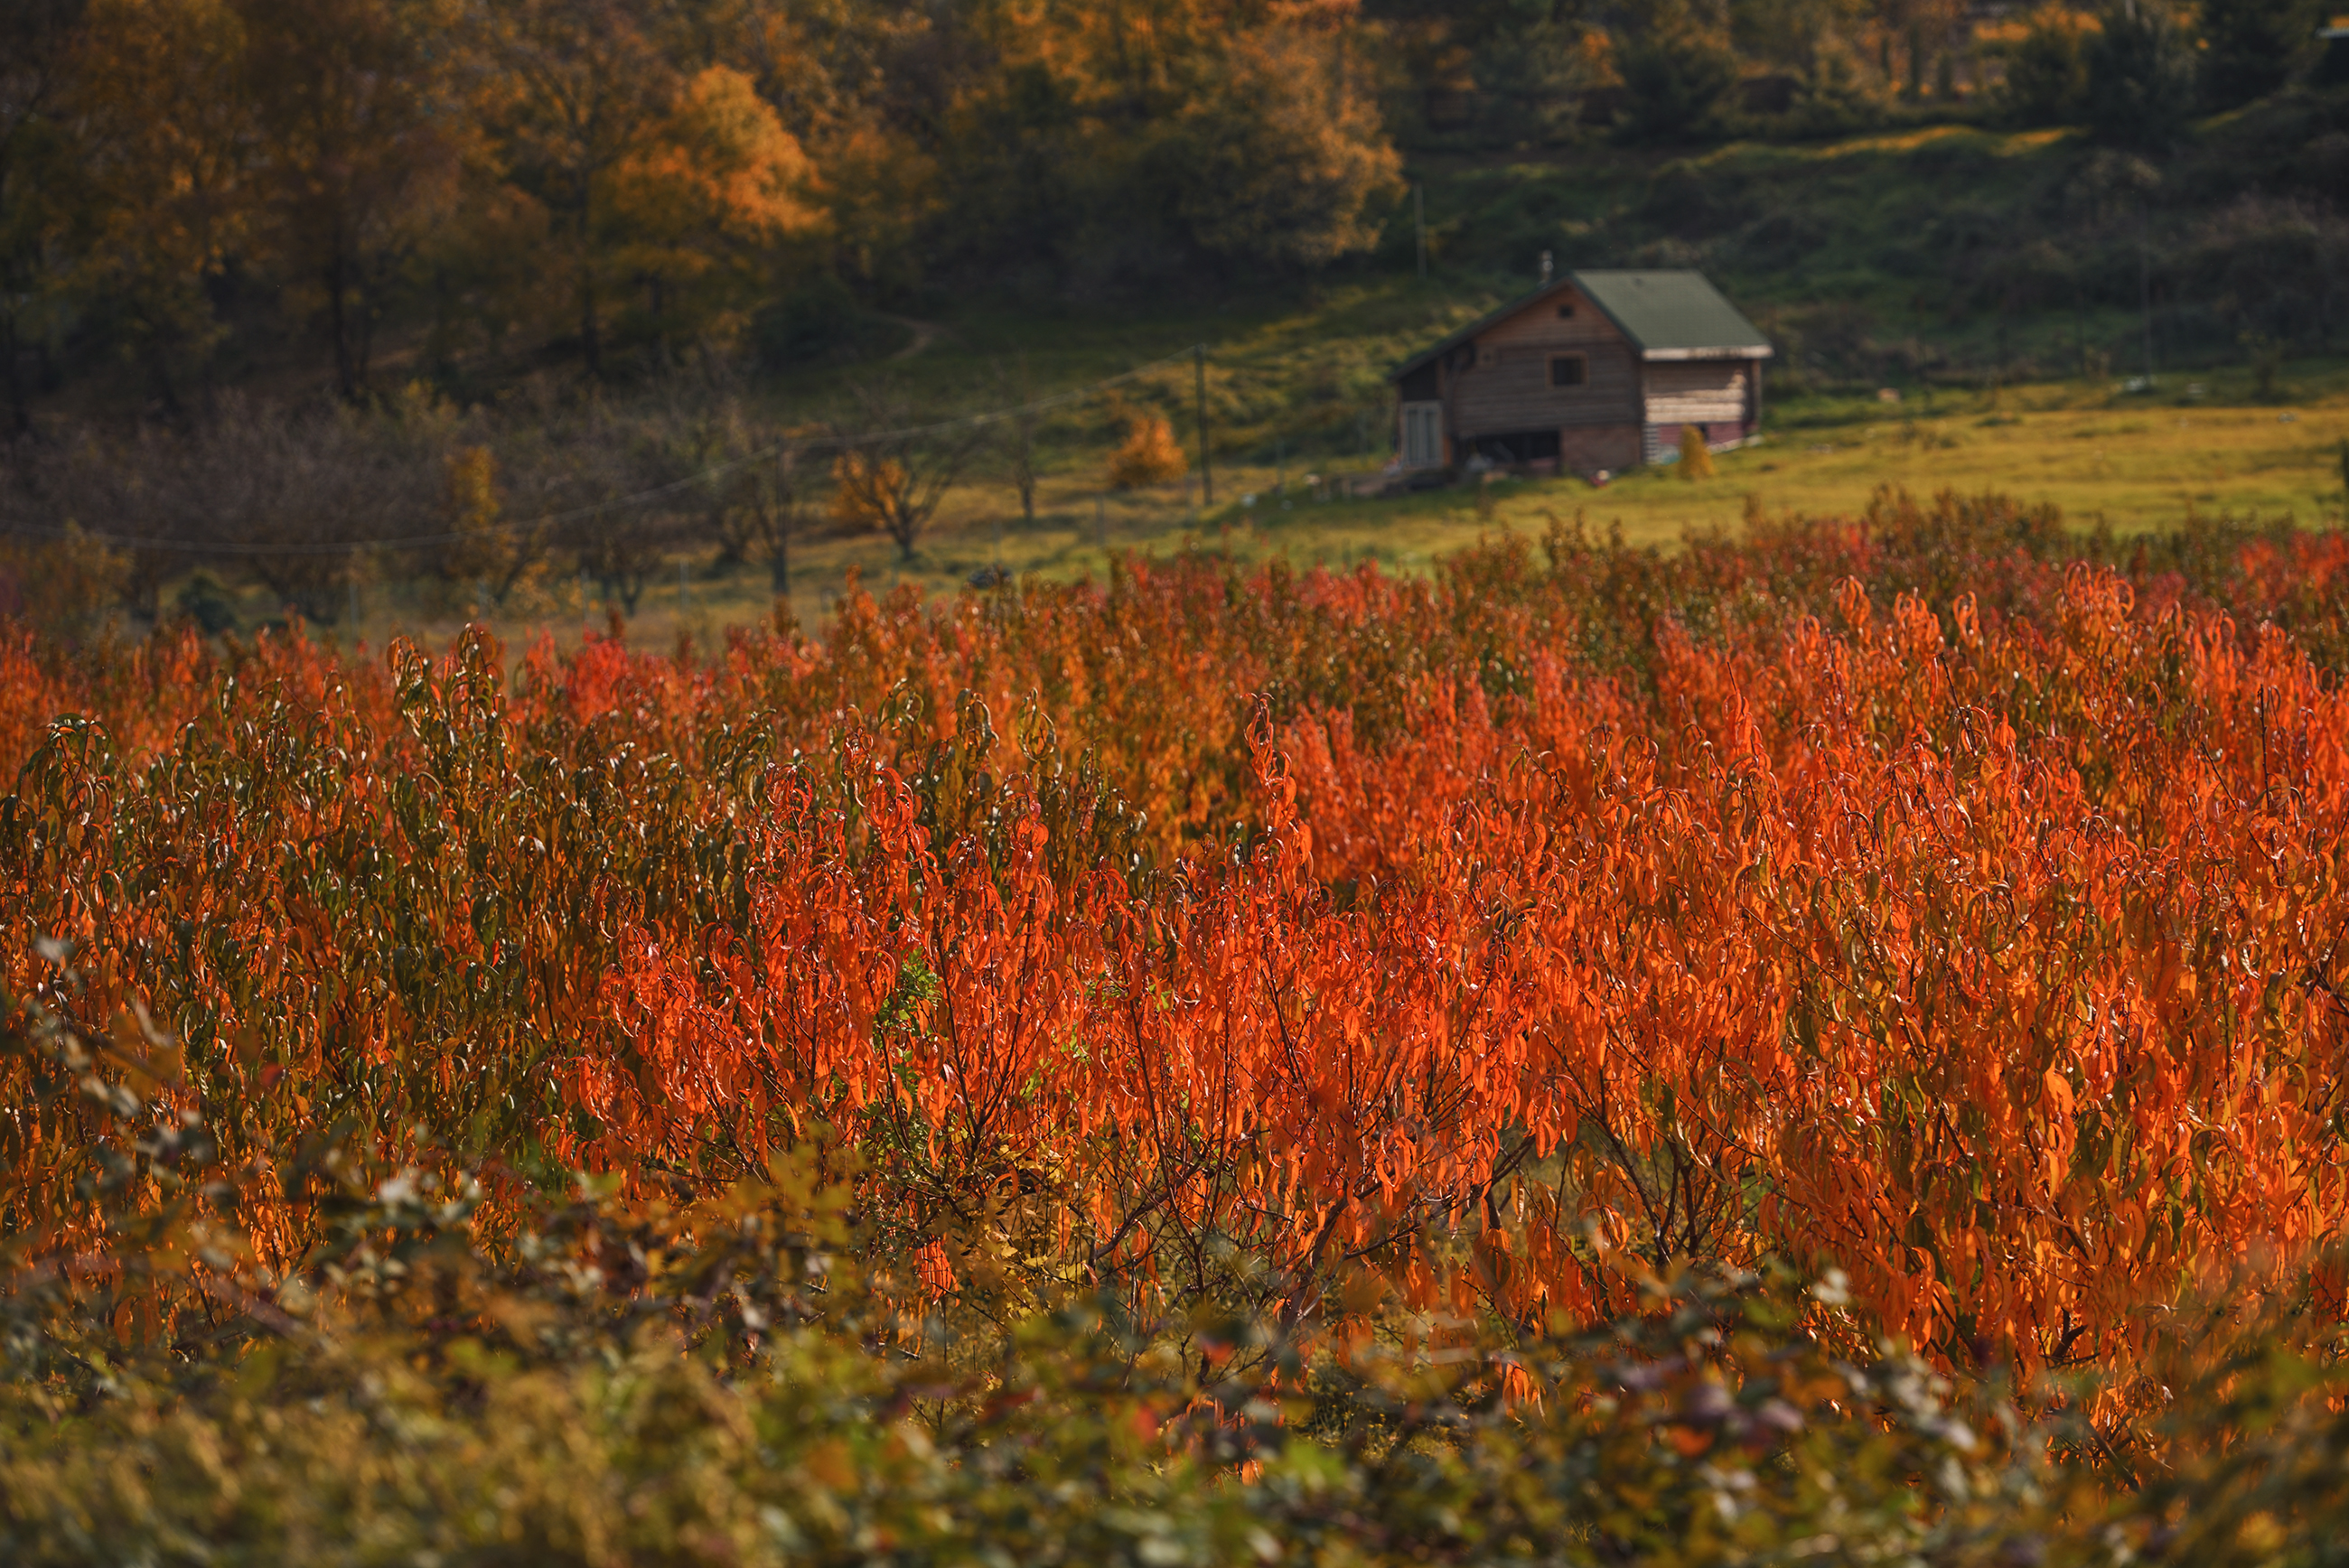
{"points": [[893, 472], [2046, 73], [576, 91], [357, 133], [1696, 457], [38, 44], [1117, 141], [2140, 74], [488, 549], [737, 476], [579, 476], [1282, 153], [166, 169], [705, 205], [777, 501], [615, 172], [1016, 391]]}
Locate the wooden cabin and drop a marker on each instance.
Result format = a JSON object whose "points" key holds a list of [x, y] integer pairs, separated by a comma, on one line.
{"points": [[1594, 371]]}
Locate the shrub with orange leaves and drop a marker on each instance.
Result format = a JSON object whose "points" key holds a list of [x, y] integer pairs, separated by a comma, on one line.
{"points": [[1938, 896], [1149, 455]]}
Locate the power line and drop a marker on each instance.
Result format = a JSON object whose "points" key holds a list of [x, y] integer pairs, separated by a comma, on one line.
{"points": [[595, 508]]}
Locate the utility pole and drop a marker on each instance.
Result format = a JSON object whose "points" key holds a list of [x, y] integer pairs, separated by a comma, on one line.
{"points": [[1026, 427], [781, 577], [1206, 473], [1419, 205], [2079, 328]]}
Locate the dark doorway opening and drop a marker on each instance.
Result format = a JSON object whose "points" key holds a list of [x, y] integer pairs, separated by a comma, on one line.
{"points": [[1523, 447]]}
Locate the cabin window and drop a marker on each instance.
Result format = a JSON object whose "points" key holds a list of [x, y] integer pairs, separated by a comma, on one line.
{"points": [[1566, 312], [1568, 370], [1488, 357]]}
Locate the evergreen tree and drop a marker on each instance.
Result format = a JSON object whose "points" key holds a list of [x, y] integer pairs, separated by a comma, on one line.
{"points": [[1679, 70], [2140, 75], [2252, 47], [2046, 73]]}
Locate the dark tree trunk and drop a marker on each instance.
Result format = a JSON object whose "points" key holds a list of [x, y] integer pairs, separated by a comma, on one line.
{"points": [[159, 369], [338, 325], [19, 404], [591, 342]]}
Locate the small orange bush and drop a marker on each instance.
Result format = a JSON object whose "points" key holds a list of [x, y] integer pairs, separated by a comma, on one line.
{"points": [[1149, 455]]}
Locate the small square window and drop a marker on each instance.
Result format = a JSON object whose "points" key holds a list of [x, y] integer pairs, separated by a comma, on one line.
{"points": [[1566, 312], [1568, 370], [1488, 357]]}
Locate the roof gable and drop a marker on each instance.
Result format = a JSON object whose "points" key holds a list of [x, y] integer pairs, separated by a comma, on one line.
{"points": [[1666, 315]]}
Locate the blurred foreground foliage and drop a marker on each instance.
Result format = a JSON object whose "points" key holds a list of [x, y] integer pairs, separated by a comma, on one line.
{"points": [[701, 1384]]}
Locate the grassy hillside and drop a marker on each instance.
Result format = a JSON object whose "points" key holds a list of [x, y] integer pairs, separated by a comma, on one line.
{"points": [[1996, 281], [1956, 250]]}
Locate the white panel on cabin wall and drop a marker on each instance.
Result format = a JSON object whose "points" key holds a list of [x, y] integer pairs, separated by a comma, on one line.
{"points": [[1690, 409]]}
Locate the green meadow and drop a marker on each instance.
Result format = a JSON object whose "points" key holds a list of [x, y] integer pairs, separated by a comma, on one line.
{"points": [[2202, 443]]}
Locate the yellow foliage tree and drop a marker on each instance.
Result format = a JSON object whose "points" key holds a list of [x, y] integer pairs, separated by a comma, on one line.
{"points": [[1149, 455], [1696, 457], [574, 95], [486, 550], [1286, 157], [709, 199]]}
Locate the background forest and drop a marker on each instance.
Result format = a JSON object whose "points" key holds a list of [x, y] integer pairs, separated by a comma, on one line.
{"points": [[276, 278]]}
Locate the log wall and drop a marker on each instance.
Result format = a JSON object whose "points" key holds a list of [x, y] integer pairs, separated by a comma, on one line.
{"points": [[1699, 391]]}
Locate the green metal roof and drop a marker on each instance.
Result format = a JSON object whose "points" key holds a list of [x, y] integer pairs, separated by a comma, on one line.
{"points": [[1666, 314], [1671, 315]]}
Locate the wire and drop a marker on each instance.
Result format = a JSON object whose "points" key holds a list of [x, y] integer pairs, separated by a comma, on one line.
{"points": [[572, 514]]}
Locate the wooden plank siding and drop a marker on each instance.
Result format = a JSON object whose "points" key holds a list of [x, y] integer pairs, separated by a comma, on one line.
{"points": [[1513, 391], [1544, 325], [1504, 387]]}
